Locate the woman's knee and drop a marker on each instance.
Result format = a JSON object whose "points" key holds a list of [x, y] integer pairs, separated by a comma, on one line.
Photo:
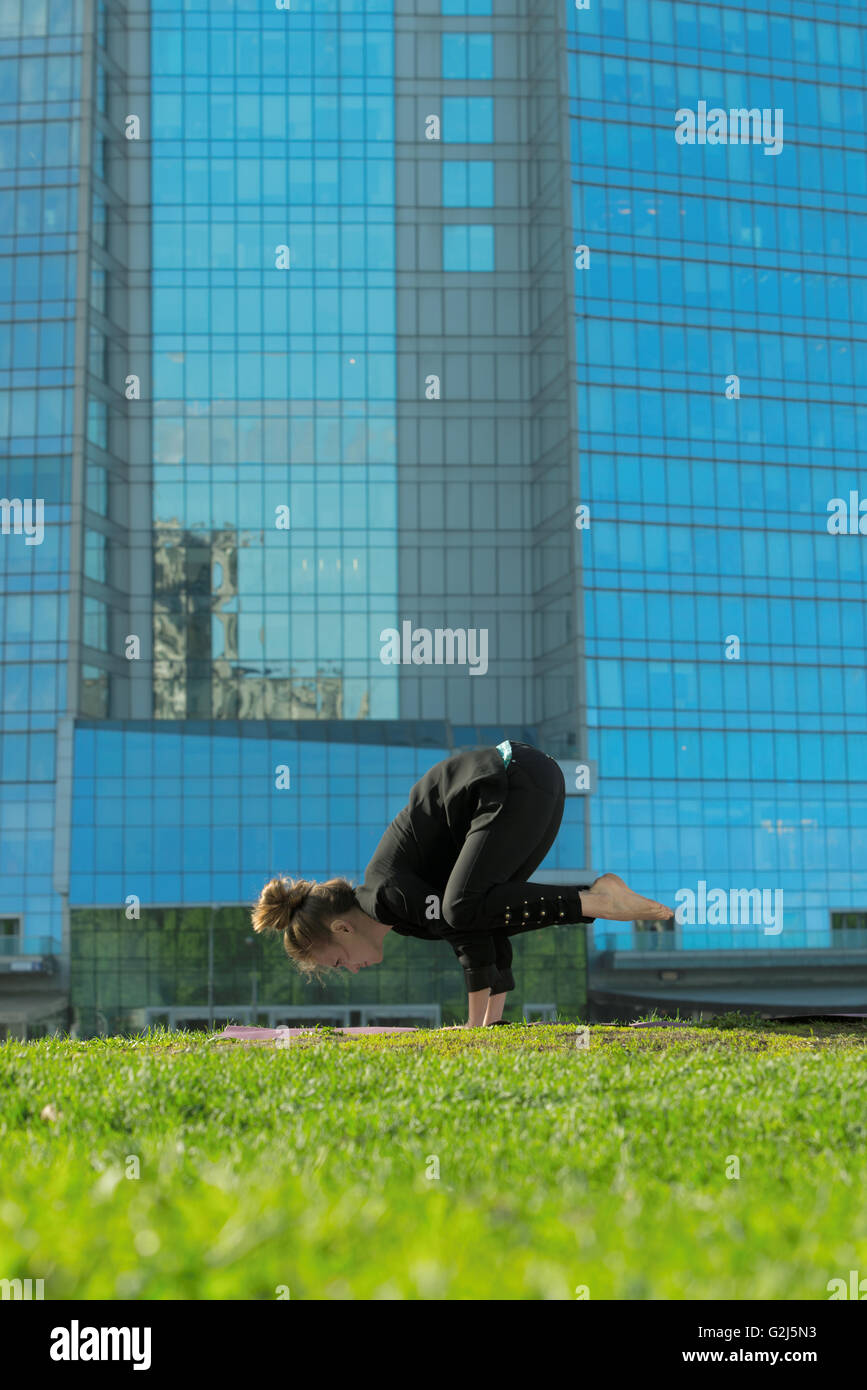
{"points": [[461, 909]]}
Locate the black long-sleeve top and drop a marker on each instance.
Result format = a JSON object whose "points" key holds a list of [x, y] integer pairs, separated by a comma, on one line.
{"points": [[405, 881]]}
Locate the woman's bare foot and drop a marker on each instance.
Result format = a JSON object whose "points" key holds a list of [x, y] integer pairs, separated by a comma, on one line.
{"points": [[610, 899]]}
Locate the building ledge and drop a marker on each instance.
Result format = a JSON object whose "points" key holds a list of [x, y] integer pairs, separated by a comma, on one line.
{"points": [[733, 959]]}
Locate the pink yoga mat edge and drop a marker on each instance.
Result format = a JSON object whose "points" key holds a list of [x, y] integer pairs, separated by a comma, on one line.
{"points": [[243, 1033]]}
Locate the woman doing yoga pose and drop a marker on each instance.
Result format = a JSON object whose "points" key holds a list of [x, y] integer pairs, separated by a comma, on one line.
{"points": [[453, 865]]}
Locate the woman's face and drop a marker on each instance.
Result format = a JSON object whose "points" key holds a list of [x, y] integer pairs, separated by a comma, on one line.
{"points": [[348, 950]]}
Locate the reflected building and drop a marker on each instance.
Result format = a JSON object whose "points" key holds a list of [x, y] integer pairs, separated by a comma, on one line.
{"points": [[198, 671]]}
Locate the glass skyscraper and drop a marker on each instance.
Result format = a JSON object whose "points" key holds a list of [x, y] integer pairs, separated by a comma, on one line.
{"points": [[380, 380]]}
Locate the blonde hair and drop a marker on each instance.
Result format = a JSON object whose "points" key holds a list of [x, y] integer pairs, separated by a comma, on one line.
{"points": [[303, 911]]}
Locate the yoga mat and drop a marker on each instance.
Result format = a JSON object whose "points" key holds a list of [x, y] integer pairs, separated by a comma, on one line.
{"points": [[242, 1033]]}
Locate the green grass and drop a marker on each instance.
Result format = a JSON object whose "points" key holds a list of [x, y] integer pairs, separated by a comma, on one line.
{"points": [[501, 1163]]}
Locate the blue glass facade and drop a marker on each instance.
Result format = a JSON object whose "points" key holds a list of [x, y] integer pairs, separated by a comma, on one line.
{"points": [[709, 497], [40, 78], [274, 355], [341, 340], [175, 812]]}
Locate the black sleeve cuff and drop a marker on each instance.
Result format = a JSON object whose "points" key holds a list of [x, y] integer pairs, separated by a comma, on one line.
{"points": [[480, 977]]}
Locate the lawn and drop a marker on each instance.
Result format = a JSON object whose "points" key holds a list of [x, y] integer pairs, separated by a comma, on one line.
{"points": [[500, 1163]]}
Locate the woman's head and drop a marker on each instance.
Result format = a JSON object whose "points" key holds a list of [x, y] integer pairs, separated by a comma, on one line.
{"points": [[304, 912]]}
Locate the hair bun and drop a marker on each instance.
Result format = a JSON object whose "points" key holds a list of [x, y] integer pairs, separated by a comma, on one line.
{"points": [[296, 892], [278, 902]]}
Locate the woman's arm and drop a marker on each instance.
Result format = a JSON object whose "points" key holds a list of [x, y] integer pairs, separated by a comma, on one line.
{"points": [[478, 1004], [478, 1000], [484, 958], [477, 1008], [494, 1009]]}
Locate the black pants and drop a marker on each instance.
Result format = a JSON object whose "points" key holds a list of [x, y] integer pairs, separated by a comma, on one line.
{"points": [[508, 850]]}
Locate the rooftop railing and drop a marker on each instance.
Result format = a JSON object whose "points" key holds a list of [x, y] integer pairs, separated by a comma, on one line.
{"points": [[730, 938], [28, 946]]}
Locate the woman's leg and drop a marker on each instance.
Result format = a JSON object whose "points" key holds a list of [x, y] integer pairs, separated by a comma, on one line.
{"points": [[507, 837], [546, 777], [506, 980], [498, 854], [488, 882]]}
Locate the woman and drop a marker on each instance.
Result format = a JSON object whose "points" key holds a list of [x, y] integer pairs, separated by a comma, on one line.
{"points": [[453, 865]]}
